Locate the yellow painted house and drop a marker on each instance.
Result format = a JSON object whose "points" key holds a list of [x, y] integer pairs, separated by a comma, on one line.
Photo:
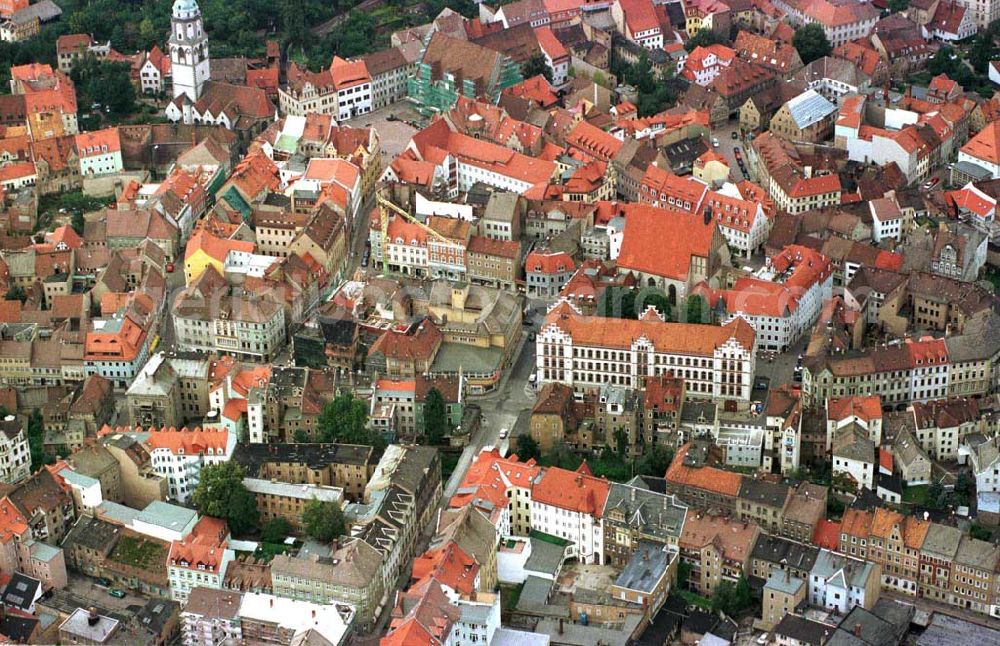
{"points": [[205, 249]]}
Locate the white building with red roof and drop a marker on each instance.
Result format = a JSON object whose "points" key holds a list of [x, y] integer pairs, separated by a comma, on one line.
{"points": [[671, 249], [704, 64], [716, 362], [742, 221], [99, 152], [862, 411], [343, 90], [466, 161], [570, 505], [971, 202], [983, 150], [154, 71], [200, 559], [783, 300], [547, 271], [636, 20], [500, 487], [556, 57]]}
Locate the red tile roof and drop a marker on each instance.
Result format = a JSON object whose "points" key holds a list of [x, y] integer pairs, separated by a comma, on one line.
{"points": [[546, 262], [827, 535], [347, 74], [867, 408], [572, 490], [663, 242], [706, 478], [986, 144]]}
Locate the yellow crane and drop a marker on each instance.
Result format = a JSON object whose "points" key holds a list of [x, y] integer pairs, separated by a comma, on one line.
{"points": [[385, 205]]}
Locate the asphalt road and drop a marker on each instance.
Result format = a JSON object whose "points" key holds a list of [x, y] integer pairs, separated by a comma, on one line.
{"points": [[501, 408]]}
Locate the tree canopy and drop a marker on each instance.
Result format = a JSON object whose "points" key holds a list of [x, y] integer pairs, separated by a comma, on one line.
{"points": [[345, 420], [36, 441], [704, 38], [104, 82], [731, 599], [323, 521], [221, 493], [275, 530], [695, 309], [811, 43], [527, 448], [435, 418], [536, 65]]}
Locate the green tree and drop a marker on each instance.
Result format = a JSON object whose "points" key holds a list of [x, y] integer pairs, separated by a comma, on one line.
{"points": [[730, 598], [723, 597], [655, 461], [562, 456], [695, 309], [105, 82], [301, 437], [621, 443], [982, 52], [36, 441], [221, 493], [934, 493], [435, 418], [356, 35], [897, 6], [527, 448], [617, 302], [704, 38], [536, 65], [77, 222], [834, 507], [652, 296], [275, 531], [323, 521], [980, 532], [16, 293], [683, 574], [811, 43], [345, 420]]}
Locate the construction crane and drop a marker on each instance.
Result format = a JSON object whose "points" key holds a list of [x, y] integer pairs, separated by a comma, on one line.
{"points": [[385, 205]]}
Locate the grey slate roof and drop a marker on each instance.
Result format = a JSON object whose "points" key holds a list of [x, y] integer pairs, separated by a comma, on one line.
{"points": [[772, 494], [778, 550], [945, 630], [646, 567], [654, 513]]}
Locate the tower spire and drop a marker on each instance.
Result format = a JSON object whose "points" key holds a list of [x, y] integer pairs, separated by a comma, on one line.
{"points": [[188, 46]]}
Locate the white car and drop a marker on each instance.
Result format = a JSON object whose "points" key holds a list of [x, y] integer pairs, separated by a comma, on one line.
{"points": [[503, 433], [715, 142]]}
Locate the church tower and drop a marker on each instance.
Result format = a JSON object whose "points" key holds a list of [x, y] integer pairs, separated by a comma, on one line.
{"points": [[188, 50]]}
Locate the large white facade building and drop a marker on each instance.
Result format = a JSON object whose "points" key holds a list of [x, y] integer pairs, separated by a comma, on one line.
{"points": [[588, 351]]}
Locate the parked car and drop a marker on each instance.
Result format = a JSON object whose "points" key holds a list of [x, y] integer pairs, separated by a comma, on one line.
{"points": [[503, 433], [715, 142], [170, 267], [931, 183], [116, 593], [103, 581]]}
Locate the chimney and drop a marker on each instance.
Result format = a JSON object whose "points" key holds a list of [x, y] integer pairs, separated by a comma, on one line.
{"points": [[560, 626], [271, 602], [857, 630]]}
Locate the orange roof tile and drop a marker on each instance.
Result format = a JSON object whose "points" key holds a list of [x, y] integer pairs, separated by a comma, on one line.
{"points": [[572, 490], [986, 144], [827, 534], [867, 407], [706, 478], [856, 522]]}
